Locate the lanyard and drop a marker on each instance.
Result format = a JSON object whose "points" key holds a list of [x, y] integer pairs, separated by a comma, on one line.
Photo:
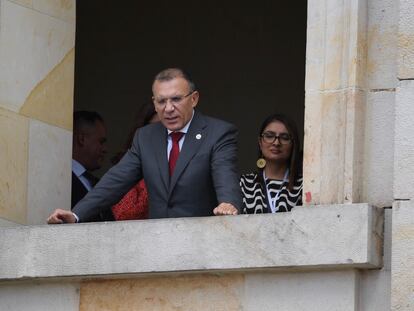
{"points": [[272, 203]]}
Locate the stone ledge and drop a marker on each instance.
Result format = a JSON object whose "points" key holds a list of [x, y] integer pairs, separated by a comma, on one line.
{"points": [[323, 237]]}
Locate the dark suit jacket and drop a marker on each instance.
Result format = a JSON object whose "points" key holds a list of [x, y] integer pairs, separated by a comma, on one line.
{"points": [[78, 193], [78, 190], [205, 174]]}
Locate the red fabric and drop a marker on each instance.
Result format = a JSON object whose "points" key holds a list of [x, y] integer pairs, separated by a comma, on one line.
{"points": [[134, 205], [175, 150]]}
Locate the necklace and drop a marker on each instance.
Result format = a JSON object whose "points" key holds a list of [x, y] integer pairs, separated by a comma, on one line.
{"points": [[272, 202]]}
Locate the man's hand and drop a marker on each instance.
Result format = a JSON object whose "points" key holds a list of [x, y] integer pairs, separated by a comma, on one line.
{"points": [[225, 209], [60, 216]]}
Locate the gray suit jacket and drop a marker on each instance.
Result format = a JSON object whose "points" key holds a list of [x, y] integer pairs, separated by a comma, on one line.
{"points": [[205, 174]]}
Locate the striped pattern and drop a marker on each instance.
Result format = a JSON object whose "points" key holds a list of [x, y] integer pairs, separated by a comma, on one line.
{"points": [[254, 197]]}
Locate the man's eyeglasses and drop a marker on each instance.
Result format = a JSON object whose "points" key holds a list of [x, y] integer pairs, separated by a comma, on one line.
{"points": [[270, 138], [175, 100]]}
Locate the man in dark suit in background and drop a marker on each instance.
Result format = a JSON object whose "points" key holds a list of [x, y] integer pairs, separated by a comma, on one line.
{"points": [[188, 161], [88, 153]]}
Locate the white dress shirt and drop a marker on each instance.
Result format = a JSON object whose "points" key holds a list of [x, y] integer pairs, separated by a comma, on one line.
{"points": [[78, 169]]}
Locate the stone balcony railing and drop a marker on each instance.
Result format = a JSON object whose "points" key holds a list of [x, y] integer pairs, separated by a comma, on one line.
{"points": [[308, 238]]}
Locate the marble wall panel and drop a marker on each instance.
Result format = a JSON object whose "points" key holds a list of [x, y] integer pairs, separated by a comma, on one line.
{"points": [[31, 45], [62, 9], [382, 44], [406, 40], [191, 292], [404, 141], [402, 267], [13, 165], [378, 159], [49, 171]]}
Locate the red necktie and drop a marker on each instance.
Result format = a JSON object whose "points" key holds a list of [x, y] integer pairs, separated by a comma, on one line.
{"points": [[175, 150]]}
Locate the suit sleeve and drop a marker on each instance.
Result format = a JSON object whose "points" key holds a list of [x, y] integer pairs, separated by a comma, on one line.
{"points": [[113, 185], [224, 167]]}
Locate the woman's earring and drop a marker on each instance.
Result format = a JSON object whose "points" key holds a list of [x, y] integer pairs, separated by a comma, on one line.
{"points": [[261, 163]]}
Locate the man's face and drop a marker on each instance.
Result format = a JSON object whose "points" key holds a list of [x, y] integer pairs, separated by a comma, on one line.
{"points": [[94, 146], [174, 102]]}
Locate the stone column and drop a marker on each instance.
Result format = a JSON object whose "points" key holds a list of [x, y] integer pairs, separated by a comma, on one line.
{"points": [[351, 81], [402, 282], [404, 121], [381, 77], [37, 40], [335, 100]]}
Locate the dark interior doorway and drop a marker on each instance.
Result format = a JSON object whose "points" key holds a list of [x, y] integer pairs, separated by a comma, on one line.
{"points": [[247, 60]]}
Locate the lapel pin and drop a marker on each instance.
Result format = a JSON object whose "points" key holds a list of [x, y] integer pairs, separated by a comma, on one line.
{"points": [[198, 136]]}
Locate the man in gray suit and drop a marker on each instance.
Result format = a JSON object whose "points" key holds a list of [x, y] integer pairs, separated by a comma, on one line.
{"points": [[188, 161]]}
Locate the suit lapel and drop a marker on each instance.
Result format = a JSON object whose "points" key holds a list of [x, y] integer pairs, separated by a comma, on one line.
{"points": [[192, 143], [78, 190], [159, 142]]}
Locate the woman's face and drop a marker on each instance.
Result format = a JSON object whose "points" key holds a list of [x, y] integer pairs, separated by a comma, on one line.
{"points": [[276, 149]]}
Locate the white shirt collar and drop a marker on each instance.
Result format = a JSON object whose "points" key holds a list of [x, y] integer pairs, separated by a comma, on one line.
{"points": [[77, 168], [185, 128]]}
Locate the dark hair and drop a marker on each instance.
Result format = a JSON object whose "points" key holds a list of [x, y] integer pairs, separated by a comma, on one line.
{"points": [[172, 73], [85, 118], [295, 158], [144, 115]]}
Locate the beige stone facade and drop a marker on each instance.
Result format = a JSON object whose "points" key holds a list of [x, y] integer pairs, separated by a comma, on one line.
{"points": [[37, 39], [359, 148]]}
